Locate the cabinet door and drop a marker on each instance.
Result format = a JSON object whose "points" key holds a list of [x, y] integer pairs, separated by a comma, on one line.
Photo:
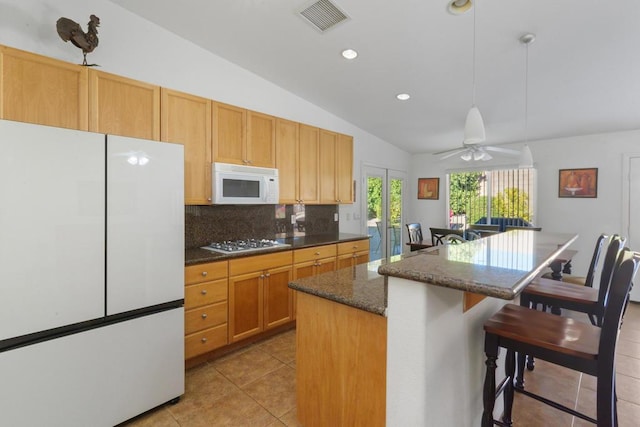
{"points": [[277, 297], [41, 90], [326, 265], [186, 120], [361, 258], [287, 160], [308, 165], [327, 157], [122, 106], [261, 140], [344, 169], [344, 261], [246, 305], [229, 134]]}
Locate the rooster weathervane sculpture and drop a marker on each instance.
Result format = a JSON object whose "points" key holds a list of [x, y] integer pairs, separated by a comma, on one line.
{"points": [[69, 30]]}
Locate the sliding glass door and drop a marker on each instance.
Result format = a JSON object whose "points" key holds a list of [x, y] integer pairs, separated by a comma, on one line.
{"points": [[383, 192]]}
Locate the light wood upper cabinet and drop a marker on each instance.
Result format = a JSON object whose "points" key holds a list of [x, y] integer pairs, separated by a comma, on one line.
{"points": [[261, 140], [122, 106], [344, 169], [287, 160], [327, 158], [308, 173], [42, 90], [186, 120], [229, 134]]}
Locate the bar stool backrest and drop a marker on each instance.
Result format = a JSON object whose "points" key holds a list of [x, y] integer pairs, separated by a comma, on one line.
{"points": [[593, 266], [617, 296], [612, 258]]}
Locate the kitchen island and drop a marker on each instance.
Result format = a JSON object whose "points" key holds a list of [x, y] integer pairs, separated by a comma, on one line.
{"points": [[433, 349]]}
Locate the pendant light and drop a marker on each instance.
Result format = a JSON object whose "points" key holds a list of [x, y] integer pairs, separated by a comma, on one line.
{"points": [[474, 126], [526, 159]]}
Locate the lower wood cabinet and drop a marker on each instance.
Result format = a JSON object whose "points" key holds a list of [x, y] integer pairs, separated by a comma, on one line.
{"points": [[206, 308], [353, 253], [259, 294], [312, 261]]}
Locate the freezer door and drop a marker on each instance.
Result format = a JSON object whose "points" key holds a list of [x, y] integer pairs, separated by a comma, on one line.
{"points": [[145, 223], [52, 203]]}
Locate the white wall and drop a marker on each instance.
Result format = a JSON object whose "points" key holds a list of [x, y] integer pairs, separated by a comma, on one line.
{"points": [[133, 47], [587, 217]]}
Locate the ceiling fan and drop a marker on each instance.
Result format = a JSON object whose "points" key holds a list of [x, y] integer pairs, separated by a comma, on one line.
{"points": [[476, 152]]}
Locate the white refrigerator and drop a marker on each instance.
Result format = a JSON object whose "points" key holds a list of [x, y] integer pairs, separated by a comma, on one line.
{"points": [[91, 276]]}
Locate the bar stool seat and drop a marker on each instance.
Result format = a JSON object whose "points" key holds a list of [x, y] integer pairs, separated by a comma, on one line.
{"points": [[561, 291], [562, 341]]}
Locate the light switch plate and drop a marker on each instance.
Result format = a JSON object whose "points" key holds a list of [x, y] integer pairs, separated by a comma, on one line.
{"points": [[335, 217]]}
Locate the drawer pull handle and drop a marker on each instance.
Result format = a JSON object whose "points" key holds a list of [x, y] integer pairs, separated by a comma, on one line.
{"points": [[204, 273], [268, 275], [317, 253], [203, 292], [203, 340], [204, 315]]}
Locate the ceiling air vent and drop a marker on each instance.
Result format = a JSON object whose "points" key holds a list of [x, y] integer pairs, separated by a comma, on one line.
{"points": [[323, 15]]}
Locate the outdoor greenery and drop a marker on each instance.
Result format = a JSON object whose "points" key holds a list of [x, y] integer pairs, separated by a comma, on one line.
{"points": [[465, 199], [374, 199]]}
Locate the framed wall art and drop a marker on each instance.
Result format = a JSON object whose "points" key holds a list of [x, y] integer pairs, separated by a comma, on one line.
{"points": [[578, 183], [429, 188]]}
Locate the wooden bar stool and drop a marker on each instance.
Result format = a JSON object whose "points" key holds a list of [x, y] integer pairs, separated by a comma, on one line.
{"points": [[562, 341], [593, 267], [547, 292]]}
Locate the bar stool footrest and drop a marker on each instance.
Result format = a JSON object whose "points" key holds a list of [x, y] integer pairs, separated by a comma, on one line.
{"points": [[555, 405]]}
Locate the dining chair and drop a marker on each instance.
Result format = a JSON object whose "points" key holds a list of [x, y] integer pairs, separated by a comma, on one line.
{"points": [[437, 234], [453, 239], [562, 341], [415, 232]]}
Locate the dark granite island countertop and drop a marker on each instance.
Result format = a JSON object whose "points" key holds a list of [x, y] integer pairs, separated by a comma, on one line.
{"points": [[498, 266], [360, 287], [199, 256]]}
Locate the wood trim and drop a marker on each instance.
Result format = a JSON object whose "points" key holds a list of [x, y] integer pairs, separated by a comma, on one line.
{"points": [[470, 299]]}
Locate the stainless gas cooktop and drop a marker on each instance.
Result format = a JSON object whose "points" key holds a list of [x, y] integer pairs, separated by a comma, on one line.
{"points": [[247, 245]]}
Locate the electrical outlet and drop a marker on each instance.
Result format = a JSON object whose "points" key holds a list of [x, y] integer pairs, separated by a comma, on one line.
{"points": [[335, 217], [293, 219]]}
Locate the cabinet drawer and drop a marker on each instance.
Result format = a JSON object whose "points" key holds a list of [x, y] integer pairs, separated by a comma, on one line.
{"points": [[259, 263], [205, 272], [314, 253], [355, 246], [205, 317], [205, 293], [204, 341]]}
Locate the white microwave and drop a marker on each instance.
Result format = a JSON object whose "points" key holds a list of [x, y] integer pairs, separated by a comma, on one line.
{"points": [[244, 185]]}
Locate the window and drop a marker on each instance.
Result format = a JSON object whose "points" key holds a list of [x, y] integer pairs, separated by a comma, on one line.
{"points": [[476, 196]]}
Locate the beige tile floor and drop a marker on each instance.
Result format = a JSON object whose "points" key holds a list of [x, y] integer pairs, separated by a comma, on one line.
{"points": [[255, 386]]}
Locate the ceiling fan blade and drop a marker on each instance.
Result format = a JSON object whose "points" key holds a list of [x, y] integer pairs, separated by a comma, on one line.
{"points": [[451, 154], [453, 150], [502, 150]]}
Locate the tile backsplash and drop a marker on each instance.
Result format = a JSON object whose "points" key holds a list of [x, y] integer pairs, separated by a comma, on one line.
{"points": [[207, 224]]}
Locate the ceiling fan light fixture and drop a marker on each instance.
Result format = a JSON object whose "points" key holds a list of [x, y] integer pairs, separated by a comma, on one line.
{"points": [[474, 127], [466, 156], [526, 158]]}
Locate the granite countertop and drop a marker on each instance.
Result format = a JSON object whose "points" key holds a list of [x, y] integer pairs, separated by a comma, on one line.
{"points": [[199, 256], [498, 266], [360, 287]]}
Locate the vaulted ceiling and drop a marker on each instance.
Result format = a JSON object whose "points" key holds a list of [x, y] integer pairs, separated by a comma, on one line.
{"points": [[584, 67]]}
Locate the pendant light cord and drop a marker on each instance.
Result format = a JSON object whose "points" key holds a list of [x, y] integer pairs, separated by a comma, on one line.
{"points": [[473, 84], [526, 96]]}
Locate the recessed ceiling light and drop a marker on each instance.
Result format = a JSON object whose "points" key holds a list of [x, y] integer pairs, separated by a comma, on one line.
{"points": [[458, 7], [403, 96], [349, 53]]}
